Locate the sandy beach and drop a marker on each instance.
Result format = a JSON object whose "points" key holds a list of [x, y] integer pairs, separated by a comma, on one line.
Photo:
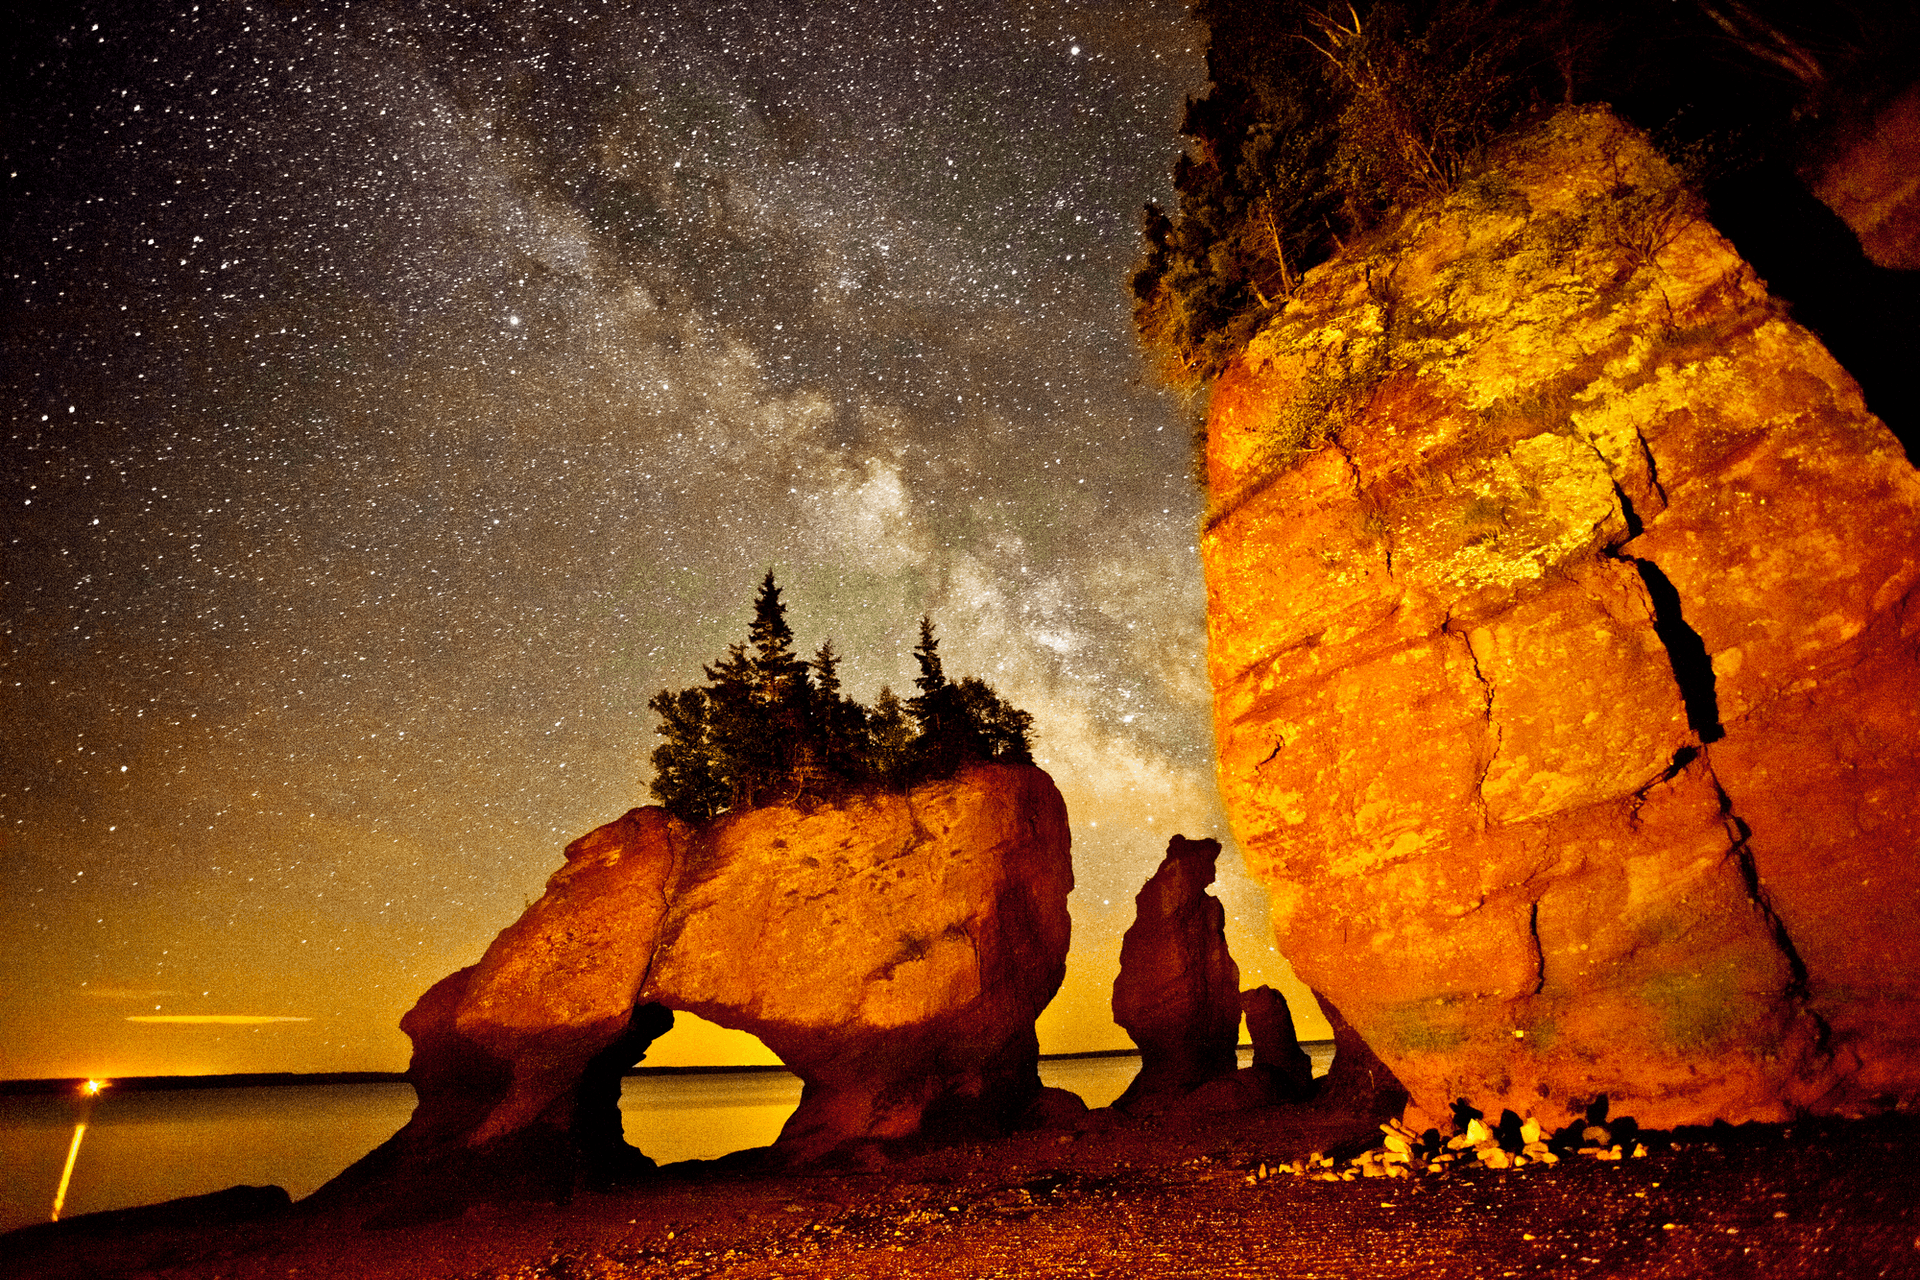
{"points": [[1168, 1197]]}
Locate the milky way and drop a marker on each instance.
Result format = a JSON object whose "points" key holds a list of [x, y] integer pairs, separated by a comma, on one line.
{"points": [[400, 394]]}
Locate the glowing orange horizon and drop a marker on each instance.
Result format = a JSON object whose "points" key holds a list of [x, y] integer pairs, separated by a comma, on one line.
{"points": [[222, 1019]]}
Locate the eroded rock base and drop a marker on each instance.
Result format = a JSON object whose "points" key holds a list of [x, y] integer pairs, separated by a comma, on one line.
{"points": [[893, 949]]}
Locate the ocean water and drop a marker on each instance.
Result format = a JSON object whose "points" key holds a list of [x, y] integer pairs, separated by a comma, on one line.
{"points": [[144, 1147]]}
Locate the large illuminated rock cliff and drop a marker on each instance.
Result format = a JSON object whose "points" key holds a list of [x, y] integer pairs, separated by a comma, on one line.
{"points": [[1565, 650], [894, 949]]}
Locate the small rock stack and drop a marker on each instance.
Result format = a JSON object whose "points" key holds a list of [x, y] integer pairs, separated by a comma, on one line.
{"points": [[1178, 991]]}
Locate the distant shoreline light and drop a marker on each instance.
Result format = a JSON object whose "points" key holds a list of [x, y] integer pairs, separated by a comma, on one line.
{"points": [[223, 1019]]}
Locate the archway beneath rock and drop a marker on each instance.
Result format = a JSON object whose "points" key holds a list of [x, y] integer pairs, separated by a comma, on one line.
{"points": [[893, 949], [703, 1092]]}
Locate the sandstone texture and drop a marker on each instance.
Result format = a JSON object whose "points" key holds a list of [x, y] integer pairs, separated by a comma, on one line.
{"points": [[1178, 991], [893, 949], [1564, 647]]}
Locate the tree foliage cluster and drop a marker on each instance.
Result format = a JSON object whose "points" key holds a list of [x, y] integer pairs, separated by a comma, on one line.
{"points": [[769, 726], [1324, 117], [1320, 122]]}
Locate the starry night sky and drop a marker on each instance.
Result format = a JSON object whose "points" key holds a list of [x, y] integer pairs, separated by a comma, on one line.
{"points": [[400, 394]]}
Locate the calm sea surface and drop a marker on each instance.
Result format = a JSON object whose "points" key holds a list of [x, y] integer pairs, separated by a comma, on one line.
{"points": [[145, 1147]]}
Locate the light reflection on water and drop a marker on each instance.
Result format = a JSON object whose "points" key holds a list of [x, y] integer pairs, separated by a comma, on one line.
{"points": [[674, 1118], [143, 1147], [703, 1117]]}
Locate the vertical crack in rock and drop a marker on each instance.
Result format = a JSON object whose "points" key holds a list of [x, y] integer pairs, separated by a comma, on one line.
{"points": [[1653, 468], [1539, 954], [1627, 512], [1692, 668], [1675, 767], [1628, 515], [1486, 710], [1686, 652], [668, 884], [1740, 849]]}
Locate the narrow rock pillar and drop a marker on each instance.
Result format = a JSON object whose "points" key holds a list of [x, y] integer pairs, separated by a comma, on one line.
{"points": [[1279, 1063], [1178, 993]]}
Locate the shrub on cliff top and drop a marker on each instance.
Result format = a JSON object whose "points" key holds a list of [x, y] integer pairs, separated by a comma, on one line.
{"points": [[1324, 116], [1318, 124], [768, 726]]}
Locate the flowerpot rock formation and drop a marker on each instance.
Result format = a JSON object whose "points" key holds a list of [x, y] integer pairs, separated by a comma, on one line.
{"points": [[893, 949], [1564, 646]]}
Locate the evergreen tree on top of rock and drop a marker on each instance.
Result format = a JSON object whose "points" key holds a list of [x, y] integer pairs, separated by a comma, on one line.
{"points": [[1321, 121], [769, 726], [1318, 123], [963, 721]]}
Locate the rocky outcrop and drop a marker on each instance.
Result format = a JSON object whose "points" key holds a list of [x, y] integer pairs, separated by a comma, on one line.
{"points": [[1178, 991], [1563, 645], [1357, 1083], [1278, 1058], [1873, 183], [893, 950]]}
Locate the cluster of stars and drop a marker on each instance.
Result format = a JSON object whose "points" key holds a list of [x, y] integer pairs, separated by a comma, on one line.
{"points": [[401, 396]]}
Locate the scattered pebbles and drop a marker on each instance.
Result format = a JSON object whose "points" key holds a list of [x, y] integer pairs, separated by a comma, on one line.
{"points": [[1513, 1143]]}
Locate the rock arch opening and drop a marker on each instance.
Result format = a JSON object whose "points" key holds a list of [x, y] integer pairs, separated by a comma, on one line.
{"points": [[897, 966], [704, 1092]]}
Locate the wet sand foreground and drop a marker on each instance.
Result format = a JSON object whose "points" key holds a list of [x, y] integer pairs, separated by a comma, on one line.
{"points": [[1170, 1197]]}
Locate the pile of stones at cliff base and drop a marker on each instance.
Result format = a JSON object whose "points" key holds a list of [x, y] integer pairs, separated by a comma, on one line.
{"points": [[1512, 1143]]}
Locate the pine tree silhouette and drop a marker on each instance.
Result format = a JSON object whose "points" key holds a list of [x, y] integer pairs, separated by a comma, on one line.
{"points": [[889, 738], [839, 723], [768, 726]]}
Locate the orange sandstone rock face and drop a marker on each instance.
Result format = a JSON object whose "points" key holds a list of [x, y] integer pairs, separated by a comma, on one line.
{"points": [[893, 949], [1565, 649]]}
